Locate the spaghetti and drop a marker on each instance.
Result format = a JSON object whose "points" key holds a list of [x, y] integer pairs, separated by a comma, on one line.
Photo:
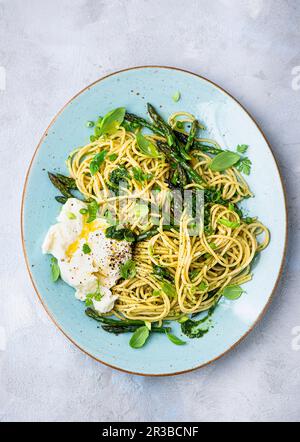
{"points": [[199, 267]]}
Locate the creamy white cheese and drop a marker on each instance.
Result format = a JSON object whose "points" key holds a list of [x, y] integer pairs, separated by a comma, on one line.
{"points": [[92, 272]]}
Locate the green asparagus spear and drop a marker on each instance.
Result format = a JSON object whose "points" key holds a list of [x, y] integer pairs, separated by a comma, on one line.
{"points": [[132, 118], [197, 144], [61, 199], [132, 328], [59, 185], [192, 135], [174, 156], [167, 132], [164, 127], [109, 321], [117, 326], [69, 182]]}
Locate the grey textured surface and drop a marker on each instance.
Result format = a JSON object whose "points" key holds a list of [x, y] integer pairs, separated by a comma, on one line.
{"points": [[49, 50]]}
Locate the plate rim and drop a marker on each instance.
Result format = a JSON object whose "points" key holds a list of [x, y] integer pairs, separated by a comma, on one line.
{"points": [[283, 187]]}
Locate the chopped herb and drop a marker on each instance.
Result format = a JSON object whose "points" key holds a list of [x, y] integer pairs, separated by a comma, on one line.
{"points": [[242, 148], [139, 337], [71, 215], [174, 339], [156, 188], [169, 289], [197, 329], [244, 165], [83, 211], [90, 124], [162, 273], [117, 177], [203, 286], [92, 211], [97, 161], [138, 175], [232, 292], [176, 96], [55, 272], [156, 293], [224, 160], [227, 223], [249, 220], [129, 127], [128, 270], [193, 273], [86, 249], [113, 157], [194, 329], [123, 234], [183, 319], [90, 297], [179, 125]]}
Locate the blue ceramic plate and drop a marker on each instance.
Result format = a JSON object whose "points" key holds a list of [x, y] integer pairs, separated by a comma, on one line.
{"points": [[227, 122]]}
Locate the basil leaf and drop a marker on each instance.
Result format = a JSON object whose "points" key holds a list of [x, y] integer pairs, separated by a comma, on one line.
{"points": [[224, 160], [242, 148], [174, 339], [86, 249], [112, 121], [232, 292], [55, 272], [97, 161], [146, 147], [139, 337], [227, 223], [92, 211], [169, 289], [128, 270]]}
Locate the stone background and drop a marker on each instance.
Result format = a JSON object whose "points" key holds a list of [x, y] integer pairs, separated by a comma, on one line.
{"points": [[49, 50]]}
